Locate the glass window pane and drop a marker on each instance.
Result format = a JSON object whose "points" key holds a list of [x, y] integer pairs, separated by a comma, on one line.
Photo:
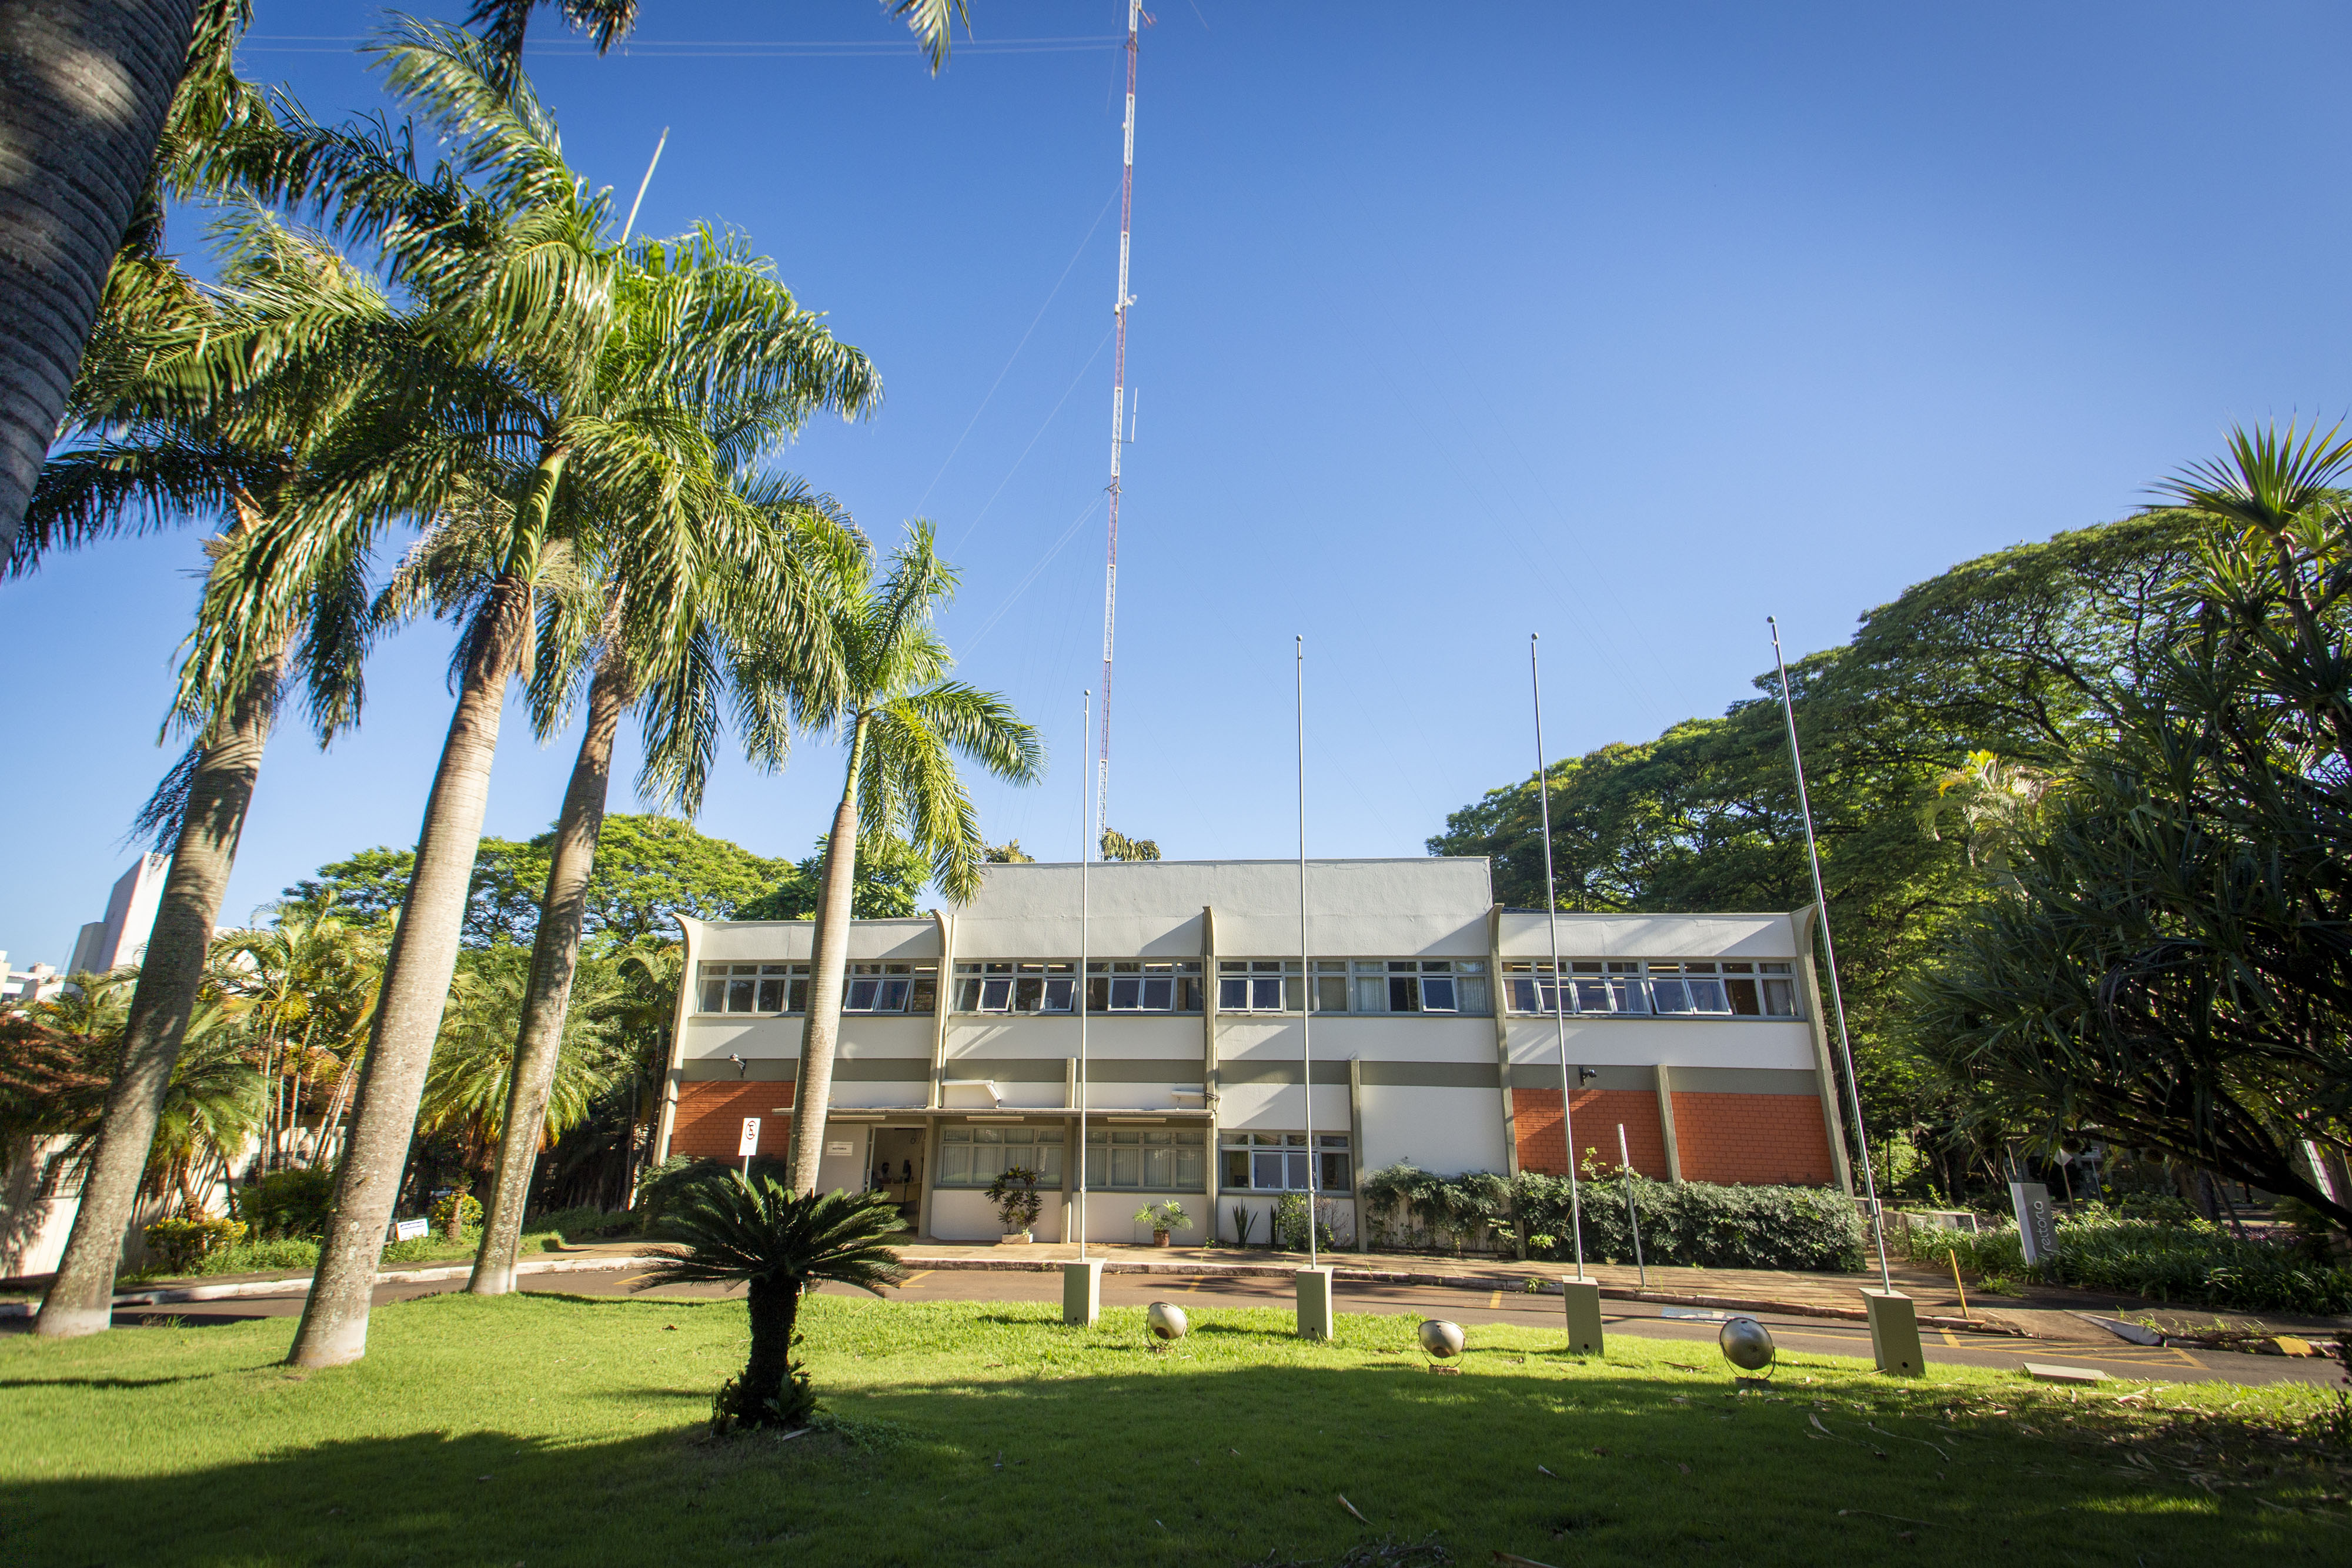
{"points": [[1265, 1170], [955, 1164], [861, 996], [995, 995], [772, 996], [714, 996], [1028, 995], [1049, 1164], [1188, 994], [1592, 995], [1098, 995], [1058, 995], [1404, 994], [1236, 1163], [1371, 994], [1335, 1171], [1330, 993], [1471, 994], [1707, 996], [1188, 1169], [1669, 996], [1158, 1167], [1124, 994], [1265, 994], [739, 996], [1437, 994], [1295, 1168], [1232, 993], [1629, 996], [1158, 995], [1125, 1166], [1780, 998], [925, 997], [1741, 994]]}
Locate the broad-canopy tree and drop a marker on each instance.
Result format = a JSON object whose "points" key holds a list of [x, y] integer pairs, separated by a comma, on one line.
{"points": [[2168, 964], [902, 724]]}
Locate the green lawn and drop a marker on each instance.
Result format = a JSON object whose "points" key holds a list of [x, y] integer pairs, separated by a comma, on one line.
{"points": [[546, 1430]]}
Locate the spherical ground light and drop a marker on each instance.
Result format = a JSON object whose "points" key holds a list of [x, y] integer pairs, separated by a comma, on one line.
{"points": [[1747, 1345], [1440, 1338], [1166, 1321]]}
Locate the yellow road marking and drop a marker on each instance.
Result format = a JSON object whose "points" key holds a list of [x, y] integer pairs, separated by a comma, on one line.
{"points": [[916, 1277], [1494, 1301], [2186, 1356], [1950, 1338]]}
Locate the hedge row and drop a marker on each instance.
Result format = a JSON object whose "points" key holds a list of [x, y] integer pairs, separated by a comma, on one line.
{"points": [[1691, 1223], [2192, 1263]]}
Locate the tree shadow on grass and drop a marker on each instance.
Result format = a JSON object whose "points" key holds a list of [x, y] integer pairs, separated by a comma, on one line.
{"points": [[1590, 1463]]}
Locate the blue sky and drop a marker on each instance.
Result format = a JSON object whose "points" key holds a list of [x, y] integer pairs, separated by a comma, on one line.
{"points": [[1625, 324]]}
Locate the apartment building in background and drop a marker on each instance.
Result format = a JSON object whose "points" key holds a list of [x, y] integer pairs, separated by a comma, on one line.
{"points": [[1429, 1010]]}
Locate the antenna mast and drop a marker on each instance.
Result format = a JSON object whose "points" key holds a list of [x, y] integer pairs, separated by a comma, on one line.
{"points": [[1118, 432]]}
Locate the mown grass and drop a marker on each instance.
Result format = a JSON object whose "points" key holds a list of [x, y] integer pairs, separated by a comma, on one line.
{"points": [[550, 1430]]}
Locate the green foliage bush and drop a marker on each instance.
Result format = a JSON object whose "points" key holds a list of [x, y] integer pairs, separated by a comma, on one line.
{"points": [[2175, 1258], [181, 1246], [580, 1224], [1290, 1225], [289, 1203], [461, 1210], [1693, 1223], [665, 1186]]}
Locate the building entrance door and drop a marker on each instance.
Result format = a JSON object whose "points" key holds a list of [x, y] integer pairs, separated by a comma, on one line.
{"points": [[898, 1168]]}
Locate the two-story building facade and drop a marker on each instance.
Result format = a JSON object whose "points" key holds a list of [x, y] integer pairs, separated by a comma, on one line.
{"points": [[1223, 1069]]}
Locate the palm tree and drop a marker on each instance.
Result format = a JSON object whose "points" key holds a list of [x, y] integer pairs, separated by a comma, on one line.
{"points": [[905, 725], [147, 107], [733, 568], [468, 1092], [758, 1234], [504, 250], [157, 445]]}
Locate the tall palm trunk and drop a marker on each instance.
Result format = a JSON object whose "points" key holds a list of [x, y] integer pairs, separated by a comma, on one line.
{"points": [[84, 88], [417, 971], [814, 1092], [81, 1298], [554, 962]]}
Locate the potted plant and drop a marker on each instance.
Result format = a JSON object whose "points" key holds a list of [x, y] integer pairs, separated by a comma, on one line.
{"points": [[1015, 1193], [1163, 1218]]}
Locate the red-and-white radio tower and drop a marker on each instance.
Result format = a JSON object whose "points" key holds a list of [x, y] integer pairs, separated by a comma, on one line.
{"points": [[1120, 433]]}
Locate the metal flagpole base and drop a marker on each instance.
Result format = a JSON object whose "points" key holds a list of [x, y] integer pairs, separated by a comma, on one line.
{"points": [[1582, 1300], [1082, 1292], [1315, 1302], [1895, 1333]]}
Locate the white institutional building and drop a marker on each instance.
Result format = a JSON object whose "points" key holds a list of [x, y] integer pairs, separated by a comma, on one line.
{"points": [[1433, 1041]]}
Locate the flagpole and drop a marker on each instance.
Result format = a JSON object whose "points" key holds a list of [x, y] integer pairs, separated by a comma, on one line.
{"points": [[1085, 911], [1559, 980], [1829, 946], [1306, 970]]}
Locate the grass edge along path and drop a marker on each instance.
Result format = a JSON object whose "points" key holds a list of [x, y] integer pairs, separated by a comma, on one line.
{"points": [[549, 1429]]}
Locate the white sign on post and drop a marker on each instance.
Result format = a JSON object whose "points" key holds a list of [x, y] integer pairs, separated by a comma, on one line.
{"points": [[2037, 1225], [749, 1145], [411, 1229]]}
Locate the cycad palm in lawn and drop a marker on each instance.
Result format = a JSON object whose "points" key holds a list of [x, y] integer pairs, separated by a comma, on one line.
{"points": [[756, 1233], [904, 723]]}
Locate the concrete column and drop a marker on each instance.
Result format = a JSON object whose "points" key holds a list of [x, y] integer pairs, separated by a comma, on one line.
{"points": [[1581, 1298], [690, 993], [1209, 1061], [1801, 923], [1071, 1152], [945, 923], [1503, 1046], [1082, 1292], [1667, 1123], [1356, 1149]]}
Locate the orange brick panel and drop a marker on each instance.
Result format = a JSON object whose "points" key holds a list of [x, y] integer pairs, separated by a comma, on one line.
{"points": [[710, 1118], [1769, 1140], [1544, 1147]]}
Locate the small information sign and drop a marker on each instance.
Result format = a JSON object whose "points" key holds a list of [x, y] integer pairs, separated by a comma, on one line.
{"points": [[749, 1145], [836, 1148], [2037, 1223], [411, 1229]]}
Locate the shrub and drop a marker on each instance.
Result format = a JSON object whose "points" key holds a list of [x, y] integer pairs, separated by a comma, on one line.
{"points": [[455, 1213], [2175, 1258], [665, 1186], [1693, 1222], [182, 1245], [289, 1203], [575, 1223], [1290, 1224], [1015, 1193]]}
